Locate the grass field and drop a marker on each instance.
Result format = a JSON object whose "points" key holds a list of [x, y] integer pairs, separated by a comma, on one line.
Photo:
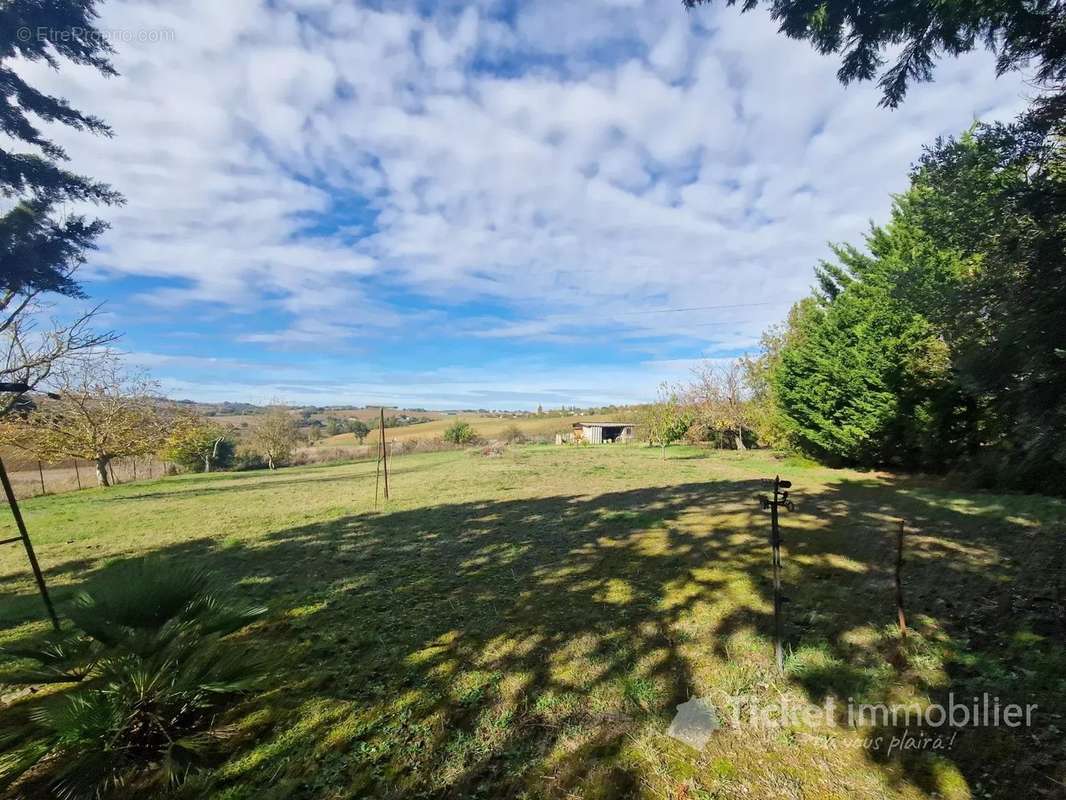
{"points": [[524, 626], [486, 427]]}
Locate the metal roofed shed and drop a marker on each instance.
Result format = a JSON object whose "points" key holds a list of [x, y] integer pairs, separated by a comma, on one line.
{"points": [[602, 432]]}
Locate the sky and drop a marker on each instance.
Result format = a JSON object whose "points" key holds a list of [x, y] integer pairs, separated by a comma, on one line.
{"points": [[488, 205]]}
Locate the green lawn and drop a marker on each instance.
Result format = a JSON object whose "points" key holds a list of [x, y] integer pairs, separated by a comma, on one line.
{"points": [[524, 626]]}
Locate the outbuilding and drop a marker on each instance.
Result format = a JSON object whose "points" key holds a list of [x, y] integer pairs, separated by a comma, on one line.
{"points": [[602, 432]]}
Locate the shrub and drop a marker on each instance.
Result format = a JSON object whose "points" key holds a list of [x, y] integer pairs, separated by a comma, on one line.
{"points": [[512, 434], [151, 672], [460, 433], [247, 460]]}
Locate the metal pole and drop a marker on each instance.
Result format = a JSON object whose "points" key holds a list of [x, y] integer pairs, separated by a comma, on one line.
{"points": [[775, 543], [899, 583], [25, 536]]}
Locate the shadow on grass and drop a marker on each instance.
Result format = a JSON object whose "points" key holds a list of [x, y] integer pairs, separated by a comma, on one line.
{"points": [[484, 648]]}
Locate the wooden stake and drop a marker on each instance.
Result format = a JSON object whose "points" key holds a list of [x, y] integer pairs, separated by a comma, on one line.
{"points": [[40, 471], [25, 537], [111, 468], [384, 454], [899, 583], [134, 459], [77, 474]]}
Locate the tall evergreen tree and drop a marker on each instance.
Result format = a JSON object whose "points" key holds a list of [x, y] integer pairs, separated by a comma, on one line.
{"points": [[940, 344], [40, 248], [1022, 34]]}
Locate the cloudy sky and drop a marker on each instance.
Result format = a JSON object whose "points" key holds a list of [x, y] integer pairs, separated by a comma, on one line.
{"points": [[492, 205]]}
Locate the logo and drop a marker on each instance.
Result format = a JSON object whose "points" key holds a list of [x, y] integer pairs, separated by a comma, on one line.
{"points": [[694, 723]]}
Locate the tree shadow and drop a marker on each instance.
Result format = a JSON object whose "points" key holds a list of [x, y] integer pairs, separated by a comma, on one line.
{"points": [[483, 648]]}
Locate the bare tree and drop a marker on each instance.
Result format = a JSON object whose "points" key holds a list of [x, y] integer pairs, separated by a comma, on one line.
{"points": [[275, 435], [719, 395], [100, 412], [30, 352]]}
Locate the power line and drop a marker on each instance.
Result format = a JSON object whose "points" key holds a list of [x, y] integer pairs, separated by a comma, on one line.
{"points": [[702, 308]]}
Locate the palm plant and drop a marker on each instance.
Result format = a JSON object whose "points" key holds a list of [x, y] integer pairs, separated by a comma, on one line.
{"points": [[151, 672]]}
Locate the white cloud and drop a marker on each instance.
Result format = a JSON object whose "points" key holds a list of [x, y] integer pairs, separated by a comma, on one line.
{"points": [[587, 156]]}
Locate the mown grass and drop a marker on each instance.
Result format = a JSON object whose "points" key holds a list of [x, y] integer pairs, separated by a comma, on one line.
{"points": [[525, 626]]}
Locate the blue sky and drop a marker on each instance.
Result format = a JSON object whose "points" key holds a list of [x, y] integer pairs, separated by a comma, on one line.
{"points": [[482, 205]]}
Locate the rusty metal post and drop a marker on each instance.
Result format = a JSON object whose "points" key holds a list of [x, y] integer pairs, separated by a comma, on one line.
{"points": [[25, 537], [899, 583]]}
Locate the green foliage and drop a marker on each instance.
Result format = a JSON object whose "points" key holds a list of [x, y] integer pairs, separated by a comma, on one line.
{"points": [[335, 427], [39, 247], [459, 433], [198, 445], [151, 673], [1022, 35], [359, 429], [936, 347], [664, 422]]}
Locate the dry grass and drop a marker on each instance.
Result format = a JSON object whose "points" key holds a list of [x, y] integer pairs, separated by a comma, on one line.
{"points": [[485, 427]]}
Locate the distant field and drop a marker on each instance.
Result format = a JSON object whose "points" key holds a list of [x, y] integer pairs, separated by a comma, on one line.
{"points": [[524, 626], [486, 427]]}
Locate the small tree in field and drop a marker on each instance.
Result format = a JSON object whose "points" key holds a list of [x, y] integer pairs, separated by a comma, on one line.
{"points": [[460, 433], [198, 444], [275, 435], [102, 413], [665, 421], [359, 429]]}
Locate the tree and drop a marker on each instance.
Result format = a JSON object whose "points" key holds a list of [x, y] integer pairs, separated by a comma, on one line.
{"points": [[198, 444], [274, 435], [665, 421], [359, 429], [719, 400], [1021, 34], [771, 425], [994, 200], [28, 355], [101, 413], [40, 249], [851, 384], [938, 345], [460, 433]]}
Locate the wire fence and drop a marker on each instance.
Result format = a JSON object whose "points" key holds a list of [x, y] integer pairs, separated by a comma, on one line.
{"points": [[32, 478]]}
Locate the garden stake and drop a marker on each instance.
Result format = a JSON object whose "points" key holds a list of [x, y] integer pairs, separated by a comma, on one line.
{"points": [[899, 583], [384, 455], [24, 536]]}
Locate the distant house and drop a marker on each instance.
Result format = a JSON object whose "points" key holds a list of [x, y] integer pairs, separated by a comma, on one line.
{"points": [[602, 432]]}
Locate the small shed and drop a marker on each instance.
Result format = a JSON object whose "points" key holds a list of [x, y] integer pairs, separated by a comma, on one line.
{"points": [[603, 432]]}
